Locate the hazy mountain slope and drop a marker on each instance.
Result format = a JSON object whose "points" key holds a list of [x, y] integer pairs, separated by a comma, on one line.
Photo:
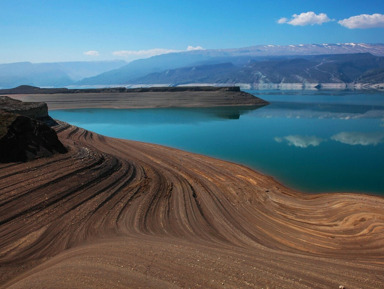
{"points": [[51, 74], [143, 67], [372, 76], [345, 68], [196, 74], [46, 74], [81, 69]]}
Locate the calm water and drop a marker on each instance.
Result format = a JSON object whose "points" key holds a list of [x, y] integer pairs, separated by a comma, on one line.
{"points": [[311, 141]]}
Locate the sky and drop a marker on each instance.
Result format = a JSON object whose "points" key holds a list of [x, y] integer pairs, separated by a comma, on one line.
{"points": [[85, 30]]}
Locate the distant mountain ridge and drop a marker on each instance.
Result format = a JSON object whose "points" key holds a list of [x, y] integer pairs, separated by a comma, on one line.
{"points": [[318, 69], [213, 66], [142, 70]]}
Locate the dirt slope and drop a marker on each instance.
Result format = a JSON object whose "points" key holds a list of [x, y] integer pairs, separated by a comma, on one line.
{"points": [[120, 214]]}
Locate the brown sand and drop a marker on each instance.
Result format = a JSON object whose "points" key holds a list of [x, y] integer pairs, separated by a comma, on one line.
{"points": [[121, 214]]}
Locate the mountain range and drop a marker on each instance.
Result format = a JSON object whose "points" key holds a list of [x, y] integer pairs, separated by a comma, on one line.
{"points": [[341, 68], [263, 64]]}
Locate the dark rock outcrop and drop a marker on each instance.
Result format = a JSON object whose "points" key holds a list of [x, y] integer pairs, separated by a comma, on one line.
{"points": [[23, 134], [36, 110], [25, 139]]}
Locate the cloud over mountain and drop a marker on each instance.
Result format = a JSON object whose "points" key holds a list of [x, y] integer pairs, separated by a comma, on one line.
{"points": [[363, 21], [92, 53], [134, 54], [190, 48], [143, 53], [305, 18]]}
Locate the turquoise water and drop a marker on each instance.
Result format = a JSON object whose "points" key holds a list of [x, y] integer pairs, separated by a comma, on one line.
{"points": [[311, 141]]}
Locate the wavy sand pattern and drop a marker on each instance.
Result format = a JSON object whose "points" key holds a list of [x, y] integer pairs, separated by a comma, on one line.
{"points": [[121, 214]]}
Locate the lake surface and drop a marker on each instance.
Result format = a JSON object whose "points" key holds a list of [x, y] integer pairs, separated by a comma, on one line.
{"points": [[311, 141]]}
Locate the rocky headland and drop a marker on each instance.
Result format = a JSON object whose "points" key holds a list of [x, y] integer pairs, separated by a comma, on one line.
{"points": [[36, 110]]}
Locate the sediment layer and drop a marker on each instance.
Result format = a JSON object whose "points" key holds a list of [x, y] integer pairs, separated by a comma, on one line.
{"points": [[145, 98], [36, 110], [121, 214]]}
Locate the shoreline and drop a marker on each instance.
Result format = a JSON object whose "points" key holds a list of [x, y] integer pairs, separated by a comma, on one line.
{"points": [[254, 86], [106, 209], [257, 170]]}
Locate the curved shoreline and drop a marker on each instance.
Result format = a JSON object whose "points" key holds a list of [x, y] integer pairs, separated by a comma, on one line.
{"points": [[123, 214]]}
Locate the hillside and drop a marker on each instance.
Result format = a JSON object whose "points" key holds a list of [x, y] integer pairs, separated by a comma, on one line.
{"points": [[343, 68]]}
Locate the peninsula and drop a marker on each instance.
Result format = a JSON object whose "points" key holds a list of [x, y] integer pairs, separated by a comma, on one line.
{"points": [[121, 97]]}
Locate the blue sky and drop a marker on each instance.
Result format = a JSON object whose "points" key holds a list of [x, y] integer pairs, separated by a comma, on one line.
{"points": [[68, 30]]}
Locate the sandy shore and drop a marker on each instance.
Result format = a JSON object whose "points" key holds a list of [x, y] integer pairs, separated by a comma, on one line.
{"points": [[121, 214]]}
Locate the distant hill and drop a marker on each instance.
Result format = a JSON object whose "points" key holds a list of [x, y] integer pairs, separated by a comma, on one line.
{"points": [[143, 67], [212, 73], [343, 68], [41, 74], [135, 70], [51, 74], [82, 69]]}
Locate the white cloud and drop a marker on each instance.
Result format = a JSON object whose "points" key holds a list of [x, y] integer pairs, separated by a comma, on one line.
{"points": [[143, 53], [359, 138], [363, 21], [92, 53], [300, 140], [191, 48], [305, 18], [136, 54], [282, 20]]}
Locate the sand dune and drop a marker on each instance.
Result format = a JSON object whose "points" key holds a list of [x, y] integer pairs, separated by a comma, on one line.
{"points": [[121, 214]]}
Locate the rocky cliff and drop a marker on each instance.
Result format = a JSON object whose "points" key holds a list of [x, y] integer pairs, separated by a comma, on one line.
{"points": [[24, 132], [36, 110]]}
